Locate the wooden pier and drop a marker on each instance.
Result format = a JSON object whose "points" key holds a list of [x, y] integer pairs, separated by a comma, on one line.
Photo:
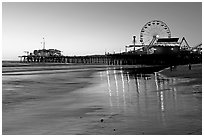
{"points": [[118, 59]]}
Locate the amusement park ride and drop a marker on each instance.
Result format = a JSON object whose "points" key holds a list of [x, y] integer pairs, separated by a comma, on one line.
{"points": [[155, 38]]}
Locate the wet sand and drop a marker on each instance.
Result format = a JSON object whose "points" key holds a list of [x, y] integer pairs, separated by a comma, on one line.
{"points": [[98, 101], [34, 100], [183, 71]]}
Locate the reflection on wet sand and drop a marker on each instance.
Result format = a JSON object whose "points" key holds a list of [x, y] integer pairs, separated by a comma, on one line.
{"points": [[123, 88], [109, 88], [127, 89], [117, 90]]}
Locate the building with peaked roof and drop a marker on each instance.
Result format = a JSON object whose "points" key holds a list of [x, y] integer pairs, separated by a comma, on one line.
{"points": [[197, 49], [184, 45], [165, 46]]}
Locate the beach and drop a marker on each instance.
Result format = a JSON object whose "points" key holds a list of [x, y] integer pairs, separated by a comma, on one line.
{"points": [[98, 100], [183, 71]]}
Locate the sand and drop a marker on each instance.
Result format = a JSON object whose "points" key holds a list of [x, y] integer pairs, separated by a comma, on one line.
{"points": [[183, 71], [29, 97], [75, 100]]}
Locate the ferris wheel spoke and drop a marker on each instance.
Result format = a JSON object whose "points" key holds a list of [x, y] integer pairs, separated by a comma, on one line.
{"points": [[162, 32], [147, 34], [165, 33], [160, 29], [147, 41], [148, 31]]}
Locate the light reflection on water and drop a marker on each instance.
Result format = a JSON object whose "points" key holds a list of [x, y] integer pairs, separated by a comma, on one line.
{"points": [[141, 93]]}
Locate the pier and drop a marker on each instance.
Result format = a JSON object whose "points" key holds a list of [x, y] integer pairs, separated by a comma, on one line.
{"points": [[158, 48], [119, 59]]}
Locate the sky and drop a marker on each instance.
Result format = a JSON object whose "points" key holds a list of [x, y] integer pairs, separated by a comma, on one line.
{"points": [[90, 28]]}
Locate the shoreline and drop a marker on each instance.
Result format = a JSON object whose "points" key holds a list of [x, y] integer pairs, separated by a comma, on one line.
{"points": [[74, 82], [183, 71], [55, 67]]}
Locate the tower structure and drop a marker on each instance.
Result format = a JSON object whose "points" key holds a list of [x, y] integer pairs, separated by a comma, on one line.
{"points": [[43, 43], [134, 41]]}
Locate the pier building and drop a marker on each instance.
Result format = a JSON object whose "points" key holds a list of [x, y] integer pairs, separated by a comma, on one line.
{"points": [[166, 46], [47, 52]]}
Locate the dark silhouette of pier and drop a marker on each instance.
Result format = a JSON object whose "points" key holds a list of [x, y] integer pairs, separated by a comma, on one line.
{"points": [[120, 59]]}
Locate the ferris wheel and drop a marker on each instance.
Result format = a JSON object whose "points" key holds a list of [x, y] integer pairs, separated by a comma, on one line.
{"points": [[153, 30]]}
